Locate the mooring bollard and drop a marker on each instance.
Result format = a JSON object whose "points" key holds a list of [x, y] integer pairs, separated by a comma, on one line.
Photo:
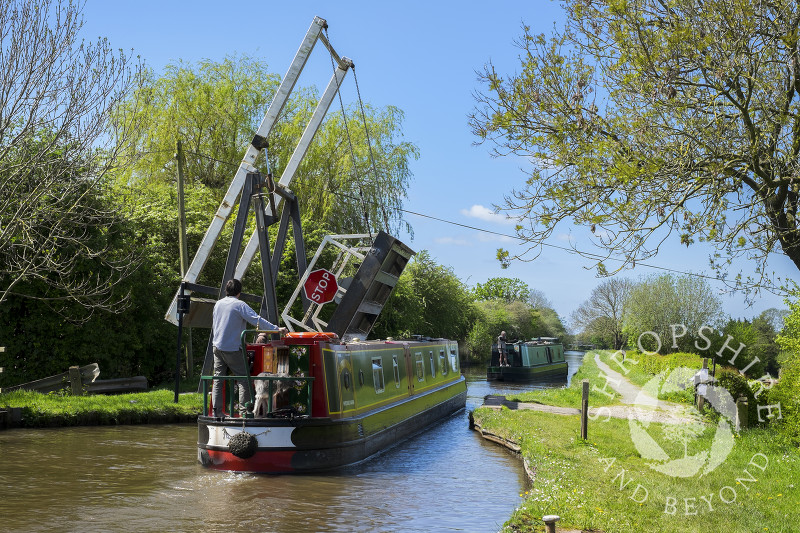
{"points": [[550, 522], [585, 410]]}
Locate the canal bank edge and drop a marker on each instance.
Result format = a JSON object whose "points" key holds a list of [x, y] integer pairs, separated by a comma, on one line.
{"points": [[517, 449], [13, 418], [25, 409]]}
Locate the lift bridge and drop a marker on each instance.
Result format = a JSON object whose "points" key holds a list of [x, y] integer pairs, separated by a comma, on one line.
{"points": [[375, 261]]}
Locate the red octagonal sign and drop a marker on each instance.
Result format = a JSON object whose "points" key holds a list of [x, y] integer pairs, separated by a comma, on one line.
{"points": [[321, 286]]}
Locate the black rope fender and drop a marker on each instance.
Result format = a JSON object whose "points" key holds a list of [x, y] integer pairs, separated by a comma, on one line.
{"points": [[243, 445]]}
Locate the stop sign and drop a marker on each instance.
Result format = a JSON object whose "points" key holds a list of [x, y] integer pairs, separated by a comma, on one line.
{"points": [[321, 286]]}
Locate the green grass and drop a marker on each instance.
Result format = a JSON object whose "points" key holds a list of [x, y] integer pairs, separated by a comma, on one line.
{"points": [[54, 409], [571, 396], [581, 482]]}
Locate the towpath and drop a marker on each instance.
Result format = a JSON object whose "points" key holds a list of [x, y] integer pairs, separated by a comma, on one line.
{"points": [[639, 404]]}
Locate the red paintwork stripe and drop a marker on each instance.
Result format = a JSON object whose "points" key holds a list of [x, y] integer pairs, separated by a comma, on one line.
{"points": [[264, 462]]}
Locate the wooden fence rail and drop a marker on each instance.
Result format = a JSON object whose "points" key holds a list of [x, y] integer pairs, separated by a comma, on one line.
{"points": [[83, 379]]}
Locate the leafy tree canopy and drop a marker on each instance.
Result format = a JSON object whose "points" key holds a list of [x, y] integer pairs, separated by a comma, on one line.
{"points": [[646, 119], [660, 305], [215, 107], [508, 289]]}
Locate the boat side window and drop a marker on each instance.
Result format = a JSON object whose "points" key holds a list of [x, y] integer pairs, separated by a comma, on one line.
{"points": [[396, 370], [453, 360], [433, 367], [420, 365], [377, 374], [442, 363]]}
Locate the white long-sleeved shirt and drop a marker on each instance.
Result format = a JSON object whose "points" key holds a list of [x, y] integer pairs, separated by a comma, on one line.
{"points": [[230, 318]]}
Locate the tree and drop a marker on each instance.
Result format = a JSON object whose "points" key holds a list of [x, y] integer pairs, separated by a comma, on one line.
{"points": [[538, 300], [514, 317], [428, 300], [774, 318], [551, 324], [760, 352], [509, 304], [508, 289], [602, 314], [215, 107], [58, 141], [658, 303], [645, 118]]}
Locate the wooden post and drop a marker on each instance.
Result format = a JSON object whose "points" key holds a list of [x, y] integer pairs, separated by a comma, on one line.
{"points": [[741, 413], [75, 381], [585, 410], [184, 247], [701, 400]]}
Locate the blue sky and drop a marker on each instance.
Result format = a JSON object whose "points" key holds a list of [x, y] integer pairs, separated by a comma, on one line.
{"points": [[421, 57]]}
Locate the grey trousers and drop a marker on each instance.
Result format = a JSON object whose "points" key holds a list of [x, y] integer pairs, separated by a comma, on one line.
{"points": [[235, 362]]}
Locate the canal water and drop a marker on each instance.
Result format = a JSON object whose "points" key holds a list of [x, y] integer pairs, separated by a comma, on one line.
{"points": [[146, 478]]}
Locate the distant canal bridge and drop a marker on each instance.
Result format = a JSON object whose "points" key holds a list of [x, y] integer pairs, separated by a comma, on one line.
{"points": [[581, 347]]}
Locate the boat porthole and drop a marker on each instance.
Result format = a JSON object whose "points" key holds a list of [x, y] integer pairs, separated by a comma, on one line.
{"points": [[346, 379], [361, 377]]}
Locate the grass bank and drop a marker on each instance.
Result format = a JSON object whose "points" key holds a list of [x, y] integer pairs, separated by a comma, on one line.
{"points": [[53, 410], [604, 484], [571, 396]]}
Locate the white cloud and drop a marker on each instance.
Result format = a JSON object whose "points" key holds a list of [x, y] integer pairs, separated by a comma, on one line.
{"points": [[484, 213], [452, 240]]}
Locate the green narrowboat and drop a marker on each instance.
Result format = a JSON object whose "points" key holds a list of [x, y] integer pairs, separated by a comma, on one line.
{"points": [[331, 403], [528, 360]]}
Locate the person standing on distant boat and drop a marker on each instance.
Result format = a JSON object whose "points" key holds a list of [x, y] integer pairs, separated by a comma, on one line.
{"points": [[230, 318], [501, 347]]}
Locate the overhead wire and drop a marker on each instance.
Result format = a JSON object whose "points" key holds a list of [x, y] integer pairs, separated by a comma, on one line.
{"points": [[571, 250]]}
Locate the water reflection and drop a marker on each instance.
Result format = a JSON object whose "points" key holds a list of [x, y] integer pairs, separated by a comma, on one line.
{"points": [[145, 478]]}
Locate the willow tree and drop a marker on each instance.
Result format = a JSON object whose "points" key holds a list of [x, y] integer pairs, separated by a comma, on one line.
{"points": [[646, 120], [215, 107]]}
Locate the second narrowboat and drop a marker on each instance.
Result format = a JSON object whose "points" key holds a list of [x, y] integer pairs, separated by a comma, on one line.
{"points": [[527, 360]]}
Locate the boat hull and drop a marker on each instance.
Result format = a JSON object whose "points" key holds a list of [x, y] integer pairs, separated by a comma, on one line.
{"points": [[305, 445], [523, 373]]}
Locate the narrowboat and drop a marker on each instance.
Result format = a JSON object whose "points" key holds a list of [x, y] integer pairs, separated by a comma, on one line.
{"points": [[331, 403], [528, 360], [324, 396]]}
